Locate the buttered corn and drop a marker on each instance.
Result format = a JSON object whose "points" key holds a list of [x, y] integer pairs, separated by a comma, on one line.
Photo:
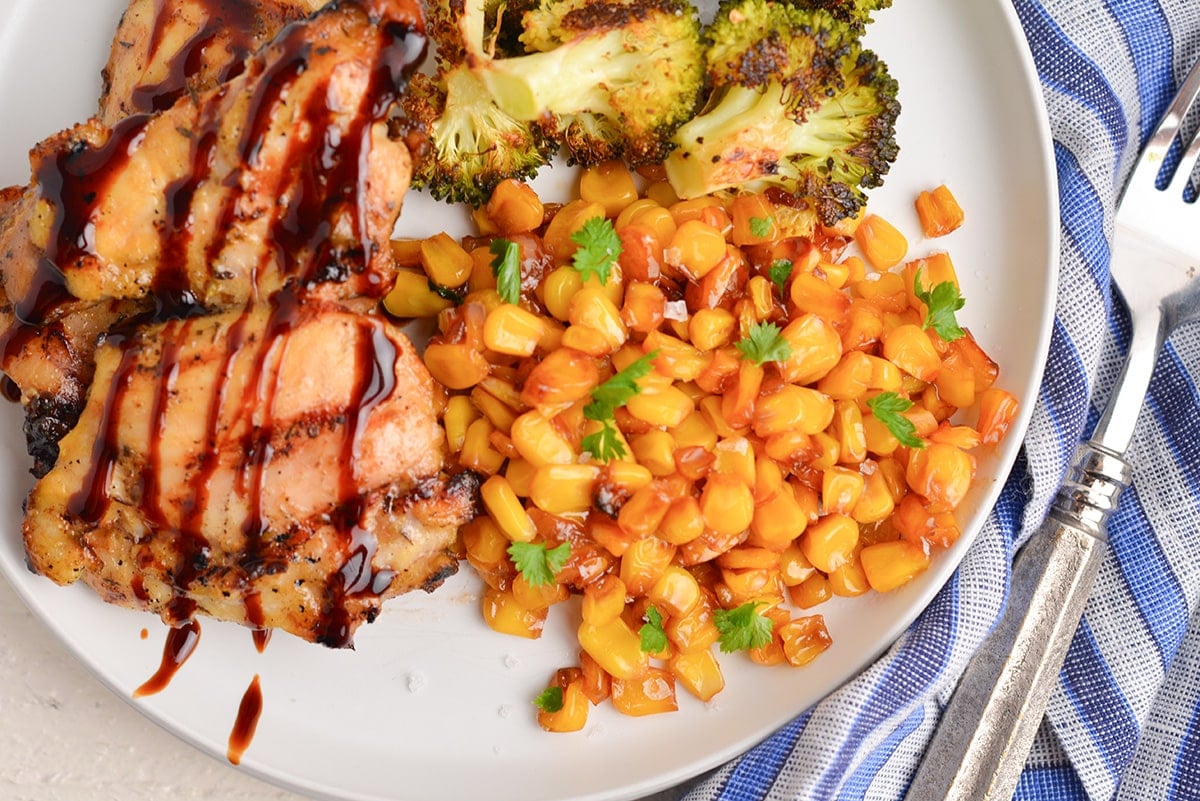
{"points": [[619, 412]]}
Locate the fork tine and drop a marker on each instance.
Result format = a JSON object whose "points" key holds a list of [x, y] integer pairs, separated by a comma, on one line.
{"points": [[1187, 166], [1164, 136]]}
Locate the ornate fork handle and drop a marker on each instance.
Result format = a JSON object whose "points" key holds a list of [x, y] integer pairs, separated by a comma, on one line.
{"points": [[980, 745]]}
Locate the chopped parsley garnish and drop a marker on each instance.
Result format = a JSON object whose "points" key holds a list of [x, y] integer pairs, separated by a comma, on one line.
{"points": [[536, 563], [653, 637], [743, 628], [605, 444], [779, 272], [888, 408], [941, 302], [761, 227], [599, 247], [506, 266], [764, 343], [550, 701]]}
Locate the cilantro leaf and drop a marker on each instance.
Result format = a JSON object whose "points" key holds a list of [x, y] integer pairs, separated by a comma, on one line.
{"points": [[605, 444], [506, 266], [743, 628], [536, 563], [446, 293], [941, 302], [887, 408], [761, 227], [551, 700], [599, 247], [764, 343], [779, 272], [652, 635], [617, 390]]}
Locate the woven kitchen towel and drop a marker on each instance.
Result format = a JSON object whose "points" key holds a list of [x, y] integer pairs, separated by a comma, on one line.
{"points": [[1124, 720]]}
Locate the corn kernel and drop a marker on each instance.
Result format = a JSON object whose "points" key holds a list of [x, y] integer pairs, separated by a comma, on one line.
{"points": [[697, 247], [591, 307], [726, 504], [909, 348], [477, 452], [651, 694], [514, 207], [794, 566], [641, 515], [892, 564], [711, 328], [512, 330], [561, 379], [445, 261], [840, 490], [940, 473], [459, 414], [562, 489], [997, 410], [804, 639], [412, 297], [876, 503], [848, 579], [683, 521], [699, 673], [829, 543], [615, 647], [603, 600], [676, 592], [938, 211], [655, 450], [881, 242], [505, 508], [643, 563], [792, 408], [564, 224], [847, 428], [539, 441], [812, 591], [609, 184], [676, 359], [661, 406], [811, 294], [572, 716], [644, 307], [503, 614]]}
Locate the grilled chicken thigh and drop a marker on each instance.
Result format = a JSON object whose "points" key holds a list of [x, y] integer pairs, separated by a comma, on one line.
{"points": [[279, 467], [164, 49], [283, 174], [193, 324]]}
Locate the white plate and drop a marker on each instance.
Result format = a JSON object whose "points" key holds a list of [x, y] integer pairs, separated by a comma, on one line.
{"points": [[432, 706]]}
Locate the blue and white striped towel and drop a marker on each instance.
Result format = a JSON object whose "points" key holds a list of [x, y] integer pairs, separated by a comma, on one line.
{"points": [[1124, 721]]}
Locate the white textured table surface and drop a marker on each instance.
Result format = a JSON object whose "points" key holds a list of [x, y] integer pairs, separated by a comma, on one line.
{"points": [[66, 737]]}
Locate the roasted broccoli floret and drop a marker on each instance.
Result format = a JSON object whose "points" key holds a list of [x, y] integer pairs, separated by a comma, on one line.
{"points": [[472, 145], [463, 144], [857, 12], [796, 103], [616, 77]]}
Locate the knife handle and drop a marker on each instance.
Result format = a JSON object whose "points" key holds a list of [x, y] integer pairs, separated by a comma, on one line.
{"points": [[985, 733]]}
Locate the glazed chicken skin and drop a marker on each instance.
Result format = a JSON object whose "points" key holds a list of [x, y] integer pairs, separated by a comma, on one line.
{"points": [[164, 49], [283, 174], [214, 472]]}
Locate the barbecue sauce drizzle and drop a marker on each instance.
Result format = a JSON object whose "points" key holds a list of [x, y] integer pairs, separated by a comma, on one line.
{"points": [[73, 183], [233, 18]]}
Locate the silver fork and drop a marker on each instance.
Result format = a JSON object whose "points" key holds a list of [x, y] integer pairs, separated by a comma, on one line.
{"points": [[984, 736]]}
